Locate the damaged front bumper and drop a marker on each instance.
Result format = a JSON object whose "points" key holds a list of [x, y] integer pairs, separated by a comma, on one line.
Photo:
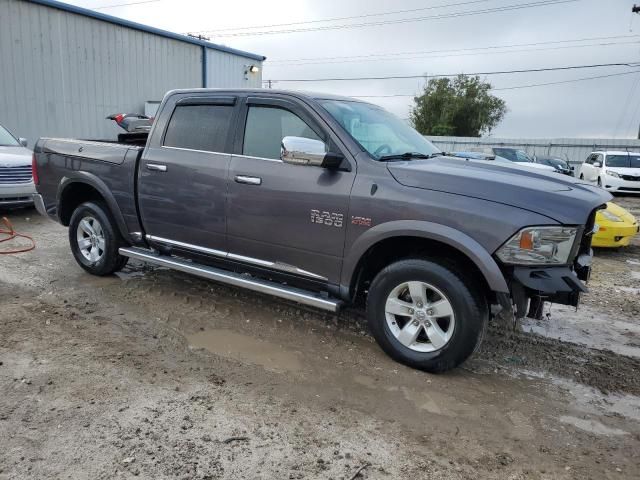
{"points": [[532, 286]]}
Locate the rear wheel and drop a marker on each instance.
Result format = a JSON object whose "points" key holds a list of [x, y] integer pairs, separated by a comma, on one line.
{"points": [[95, 239], [425, 314]]}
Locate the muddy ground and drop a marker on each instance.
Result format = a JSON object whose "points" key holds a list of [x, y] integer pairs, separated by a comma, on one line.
{"points": [[157, 374]]}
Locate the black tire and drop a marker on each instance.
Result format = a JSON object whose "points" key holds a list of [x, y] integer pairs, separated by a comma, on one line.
{"points": [[600, 182], [581, 177], [468, 304], [110, 260]]}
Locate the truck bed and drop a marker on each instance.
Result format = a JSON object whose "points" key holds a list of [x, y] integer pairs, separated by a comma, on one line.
{"points": [[109, 167], [98, 150]]}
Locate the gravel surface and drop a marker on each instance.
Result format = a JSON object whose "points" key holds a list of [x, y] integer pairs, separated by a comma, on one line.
{"points": [[157, 374]]}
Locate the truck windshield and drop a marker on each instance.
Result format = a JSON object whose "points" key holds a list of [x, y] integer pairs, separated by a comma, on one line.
{"points": [[377, 131], [6, 139], [628, 161]]}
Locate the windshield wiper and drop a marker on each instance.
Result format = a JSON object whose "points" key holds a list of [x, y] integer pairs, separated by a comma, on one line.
{"points": [[409, 156]]}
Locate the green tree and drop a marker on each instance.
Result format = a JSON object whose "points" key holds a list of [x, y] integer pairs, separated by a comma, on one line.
{"points": [[462, 107]]}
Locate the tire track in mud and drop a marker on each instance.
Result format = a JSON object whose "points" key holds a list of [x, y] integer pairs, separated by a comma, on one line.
{"points": [[201, 300]]}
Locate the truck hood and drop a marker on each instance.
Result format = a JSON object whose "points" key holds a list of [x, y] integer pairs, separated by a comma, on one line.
{"points": [[14, 156], [561, 198]]}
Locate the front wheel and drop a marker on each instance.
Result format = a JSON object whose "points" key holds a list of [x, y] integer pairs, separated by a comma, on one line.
{"points": [[425, 314], [599, 182], [95, 239]]}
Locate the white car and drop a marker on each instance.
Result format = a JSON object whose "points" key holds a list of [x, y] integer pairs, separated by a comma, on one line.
{"points": [[613, 171], [16, 181]]}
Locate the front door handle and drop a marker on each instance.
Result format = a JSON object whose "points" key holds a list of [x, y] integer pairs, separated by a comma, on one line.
{"points": [[248, 180], [156, 167]]}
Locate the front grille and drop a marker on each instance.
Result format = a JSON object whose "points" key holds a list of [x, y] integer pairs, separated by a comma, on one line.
{"points": [[587, 235], [631, 178], [582, 271], [20, 174], [4, 200]]}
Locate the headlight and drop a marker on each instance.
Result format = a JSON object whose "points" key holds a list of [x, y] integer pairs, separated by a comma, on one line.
{"points": [[611, 173], [539, 246], [610, 216]]}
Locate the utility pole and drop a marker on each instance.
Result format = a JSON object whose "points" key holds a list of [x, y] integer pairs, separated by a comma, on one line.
{"points": [[636, 9]]}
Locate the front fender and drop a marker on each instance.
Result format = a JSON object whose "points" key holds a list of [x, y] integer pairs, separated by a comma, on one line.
{"points": [[102, 188], [427, 230]]}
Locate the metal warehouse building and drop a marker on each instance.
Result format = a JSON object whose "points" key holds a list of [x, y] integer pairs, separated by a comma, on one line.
{"points": [[63, 69]]}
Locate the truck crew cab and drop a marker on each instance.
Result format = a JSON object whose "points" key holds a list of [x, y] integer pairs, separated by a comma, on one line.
{"points": [[325, 200]]}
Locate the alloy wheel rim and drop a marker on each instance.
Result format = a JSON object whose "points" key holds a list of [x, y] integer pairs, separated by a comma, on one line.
{"points": [[90, 238], [420, 316]]}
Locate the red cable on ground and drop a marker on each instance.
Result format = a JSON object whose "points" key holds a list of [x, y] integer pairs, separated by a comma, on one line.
{"points": [[11, 235]]}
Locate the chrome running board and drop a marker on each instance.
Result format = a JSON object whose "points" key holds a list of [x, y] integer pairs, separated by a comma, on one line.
{"points": [[238, 280]]}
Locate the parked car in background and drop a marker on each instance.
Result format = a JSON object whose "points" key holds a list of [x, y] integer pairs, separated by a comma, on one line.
{"points": [[616, 227], [521, 158], [490, 154], [613, 171], [486, 157], [560, 165], [16, 181]]}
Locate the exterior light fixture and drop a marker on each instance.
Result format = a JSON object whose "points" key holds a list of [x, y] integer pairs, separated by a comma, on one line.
{"points": [[250, 70]]}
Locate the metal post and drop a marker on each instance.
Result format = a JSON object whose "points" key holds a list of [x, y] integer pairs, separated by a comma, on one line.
{"points": [[204, 67]]}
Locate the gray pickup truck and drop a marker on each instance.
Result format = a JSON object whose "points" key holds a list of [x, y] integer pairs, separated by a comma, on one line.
{"points": [[325, 201]]}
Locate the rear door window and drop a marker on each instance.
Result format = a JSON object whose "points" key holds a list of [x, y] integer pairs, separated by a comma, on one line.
{"points": [[200, 127], [267, 126]]}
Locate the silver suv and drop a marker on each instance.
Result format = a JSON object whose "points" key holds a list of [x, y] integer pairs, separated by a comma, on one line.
{"points": [[16, 181]]}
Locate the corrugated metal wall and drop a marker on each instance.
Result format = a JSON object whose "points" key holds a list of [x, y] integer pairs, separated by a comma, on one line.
{"points": [[62, 73], [575, 150], [225, 70]]}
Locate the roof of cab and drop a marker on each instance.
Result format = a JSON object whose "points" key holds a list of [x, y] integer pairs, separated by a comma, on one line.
{"points": [[264, 91]]}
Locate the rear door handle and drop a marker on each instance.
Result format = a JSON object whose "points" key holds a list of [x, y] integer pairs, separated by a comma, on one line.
{"points": [[248, 180], [156, 167]]}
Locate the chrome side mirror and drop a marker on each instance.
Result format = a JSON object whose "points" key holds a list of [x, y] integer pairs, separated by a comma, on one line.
{"points": [[307, 151], [23, 141]]}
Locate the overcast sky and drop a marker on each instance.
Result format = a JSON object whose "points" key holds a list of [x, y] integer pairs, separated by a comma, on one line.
{"points": [[605, 108]]}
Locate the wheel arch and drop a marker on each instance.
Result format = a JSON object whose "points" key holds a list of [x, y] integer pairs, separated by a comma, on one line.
{"points": [[412, 237], [73, 191]]}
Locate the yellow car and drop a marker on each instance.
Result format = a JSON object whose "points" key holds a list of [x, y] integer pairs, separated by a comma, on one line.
{"points": [[617, 227]]}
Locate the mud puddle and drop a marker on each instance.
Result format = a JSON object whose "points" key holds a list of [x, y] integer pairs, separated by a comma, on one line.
{"points": [[237, 346], [588, 327], [591, 426]]}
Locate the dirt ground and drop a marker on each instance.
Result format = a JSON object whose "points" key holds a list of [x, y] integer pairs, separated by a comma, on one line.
{"points": [[156, 374]]}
